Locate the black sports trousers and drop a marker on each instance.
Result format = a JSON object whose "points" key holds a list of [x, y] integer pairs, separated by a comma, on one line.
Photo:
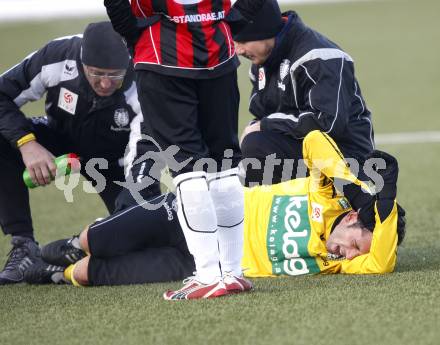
{"points": [[200, 116], [139, 245], [15, 212]]}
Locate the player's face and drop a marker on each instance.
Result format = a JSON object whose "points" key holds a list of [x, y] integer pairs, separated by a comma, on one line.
{"points": [[104, 81], [347, 241], [256, 51]]}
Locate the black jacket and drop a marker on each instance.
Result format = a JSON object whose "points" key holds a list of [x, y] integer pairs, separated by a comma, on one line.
{"points": [[93, 126], [308, 83]]}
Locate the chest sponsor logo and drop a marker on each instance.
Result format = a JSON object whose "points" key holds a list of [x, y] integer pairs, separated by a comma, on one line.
{"points": [[261, 78], [317, 212], [122, 120], [67, 100], [288, 237], [197, 18], [284, 72]]}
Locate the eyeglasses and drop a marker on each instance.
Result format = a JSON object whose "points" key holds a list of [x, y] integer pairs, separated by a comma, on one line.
{"points": [[115, 76]]}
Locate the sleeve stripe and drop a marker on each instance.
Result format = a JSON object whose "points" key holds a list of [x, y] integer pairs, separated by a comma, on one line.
{"points": [[359, 97], [35, 91], [339, 93], [323, 54], [282, 116], [310, 91], [135, 126], [26, 58]]}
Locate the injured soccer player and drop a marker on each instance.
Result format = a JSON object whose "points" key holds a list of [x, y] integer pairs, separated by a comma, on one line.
{"points": [[302, 226]]}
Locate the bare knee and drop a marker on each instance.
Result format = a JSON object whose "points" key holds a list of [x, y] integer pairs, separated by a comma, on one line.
{"points": [[80, 273]]}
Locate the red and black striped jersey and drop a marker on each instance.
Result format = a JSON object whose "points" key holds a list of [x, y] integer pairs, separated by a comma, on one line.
{"points": [[191, 39]]}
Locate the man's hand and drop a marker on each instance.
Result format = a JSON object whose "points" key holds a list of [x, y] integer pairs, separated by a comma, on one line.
{"points": [[253, 127], [39, 162]]}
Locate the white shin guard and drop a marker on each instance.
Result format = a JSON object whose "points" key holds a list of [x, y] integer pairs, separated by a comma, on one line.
{"points": [[227, 194], [198, 220]]}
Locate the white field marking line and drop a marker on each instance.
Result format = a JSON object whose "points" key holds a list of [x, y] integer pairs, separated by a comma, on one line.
{"points": [[408, 138], [42, 10]]}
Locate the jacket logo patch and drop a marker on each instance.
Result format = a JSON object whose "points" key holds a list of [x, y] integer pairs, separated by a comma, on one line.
{"points": [[121, 120], [70, 70], [317, 212], [67, 100], [284, 72], [261, 78]]}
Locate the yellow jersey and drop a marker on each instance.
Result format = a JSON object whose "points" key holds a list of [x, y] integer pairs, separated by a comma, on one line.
{"points": [[287, 225]]}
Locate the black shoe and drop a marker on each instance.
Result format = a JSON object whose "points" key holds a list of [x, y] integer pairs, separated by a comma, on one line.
{"points": [[23, 254], [43, 273], [62, 252]]}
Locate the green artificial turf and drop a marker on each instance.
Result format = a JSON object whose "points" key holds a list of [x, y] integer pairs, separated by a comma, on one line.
{"points": [[395, 45]]}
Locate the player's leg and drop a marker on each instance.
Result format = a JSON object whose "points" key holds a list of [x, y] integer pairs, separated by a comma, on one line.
{"points": [[129, 230], [219, 125], [172, 105], [15, 213], [150, 265]]}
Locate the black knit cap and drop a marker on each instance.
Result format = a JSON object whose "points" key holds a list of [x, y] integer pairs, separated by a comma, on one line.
{"points": [[255, 20], [102, 47]]}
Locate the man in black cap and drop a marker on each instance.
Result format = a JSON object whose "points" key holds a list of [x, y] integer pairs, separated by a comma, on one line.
{"points": [[91, 109], [301, 82]]}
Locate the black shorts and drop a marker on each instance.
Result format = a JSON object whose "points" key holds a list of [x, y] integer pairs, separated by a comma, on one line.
{"points": [[138, 245], [200, 116]]}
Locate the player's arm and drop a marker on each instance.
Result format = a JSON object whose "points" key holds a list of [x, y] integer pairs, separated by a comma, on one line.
{"points": [[326, 92], [324, 160], [323, 157], [18, 85], [123, 20], [26, 82]]}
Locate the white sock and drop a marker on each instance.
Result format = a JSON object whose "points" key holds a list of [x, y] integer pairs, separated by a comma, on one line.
{"points": [[198, 220], [227, 194]]}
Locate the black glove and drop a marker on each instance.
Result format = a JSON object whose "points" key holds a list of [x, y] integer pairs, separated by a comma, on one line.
{"points": [[387, 194], [389, 175]]}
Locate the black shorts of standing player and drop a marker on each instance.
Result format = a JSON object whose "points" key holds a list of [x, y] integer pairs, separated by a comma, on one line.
{"points": [[202, 117], [133, 246]]}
